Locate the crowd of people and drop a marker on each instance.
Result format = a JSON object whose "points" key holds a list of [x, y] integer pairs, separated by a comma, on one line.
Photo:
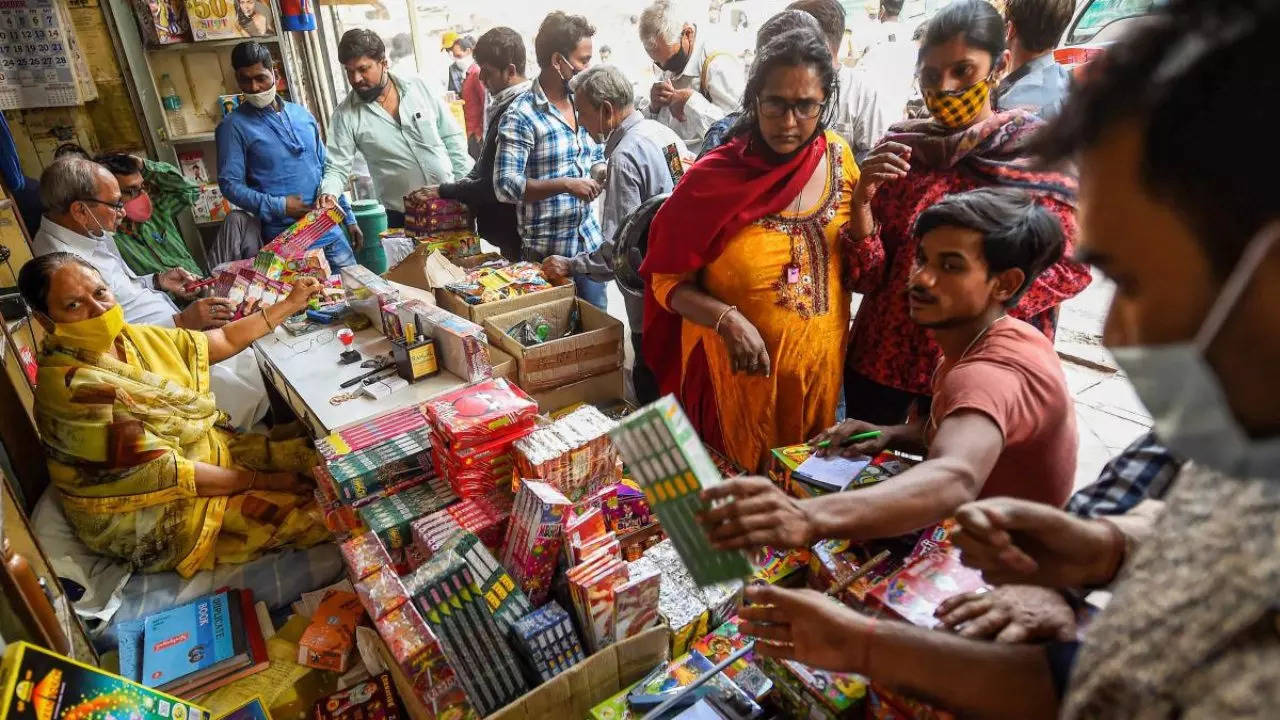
{"points": [[782, 189]]}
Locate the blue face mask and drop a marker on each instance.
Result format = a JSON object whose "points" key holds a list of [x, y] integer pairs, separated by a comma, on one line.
{"points": [[1184, 396]]}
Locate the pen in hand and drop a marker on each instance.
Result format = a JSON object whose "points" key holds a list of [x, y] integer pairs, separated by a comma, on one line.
{"points": [[869, 435]]}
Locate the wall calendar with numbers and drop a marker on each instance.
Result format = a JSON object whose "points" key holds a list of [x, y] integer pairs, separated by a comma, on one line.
{"points": [[41, 64]]}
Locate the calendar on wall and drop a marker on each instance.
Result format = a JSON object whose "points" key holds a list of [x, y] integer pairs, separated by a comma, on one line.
{"points": [[41, 64]]}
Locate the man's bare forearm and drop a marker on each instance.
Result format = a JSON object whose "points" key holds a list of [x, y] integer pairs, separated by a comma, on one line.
{"points": [[983, 679], [538, 190], [923, 495]]}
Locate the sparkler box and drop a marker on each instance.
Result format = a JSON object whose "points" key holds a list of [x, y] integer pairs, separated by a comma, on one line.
{"points": [[42, 685], [534, 537], [390, 517], [664, 454], [365, 472]]}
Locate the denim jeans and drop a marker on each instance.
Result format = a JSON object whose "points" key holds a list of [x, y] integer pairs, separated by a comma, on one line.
{"points": [[339, 254]]}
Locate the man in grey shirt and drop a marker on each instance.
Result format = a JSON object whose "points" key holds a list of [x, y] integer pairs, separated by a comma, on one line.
{"points": [[645, 158], [1036, 82]]}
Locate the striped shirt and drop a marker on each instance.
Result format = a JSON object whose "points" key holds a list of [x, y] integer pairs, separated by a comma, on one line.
{"points": [[535, 142]]}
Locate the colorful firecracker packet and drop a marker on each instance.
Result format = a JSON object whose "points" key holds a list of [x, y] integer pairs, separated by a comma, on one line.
{"points": [[432, 531], [591, 586], [933, 539], [389, 517], [485, 516], [666, 681], [546, 639], [364, 555], [724, 641], [533, 538], [884, 704], [370, 432], [373, 699], [635, 604], [340, 519], [381, 592], [476, 413], [490, 284], [296, 239], [425, 212], [452, 243], [680, 605], [807, 692], [917, 590], [359, 474], [574, 454], [507, 603], [451, 602], [664, 454], [481, 470], [421, 657], [773, 565], [832, 562]]}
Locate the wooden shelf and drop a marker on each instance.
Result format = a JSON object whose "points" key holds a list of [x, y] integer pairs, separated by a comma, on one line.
{"points": [[192, 139], [210, 44]]}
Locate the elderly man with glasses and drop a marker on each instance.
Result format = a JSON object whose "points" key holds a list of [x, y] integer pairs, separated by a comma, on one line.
{"points": [[83, 209]]}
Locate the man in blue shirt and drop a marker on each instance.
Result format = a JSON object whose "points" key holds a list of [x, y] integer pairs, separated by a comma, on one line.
{"points": [[271, 157], [545, 156], [1036, 82]]}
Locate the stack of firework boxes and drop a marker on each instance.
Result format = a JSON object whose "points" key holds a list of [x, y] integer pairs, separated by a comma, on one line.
{"points": [[472, 432]]}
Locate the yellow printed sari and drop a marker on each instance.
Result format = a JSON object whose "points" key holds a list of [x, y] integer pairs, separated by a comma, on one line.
{"points": [[122, 440]]}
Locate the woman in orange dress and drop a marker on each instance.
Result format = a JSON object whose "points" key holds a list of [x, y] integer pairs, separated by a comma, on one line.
{"points": [[744, 264]]}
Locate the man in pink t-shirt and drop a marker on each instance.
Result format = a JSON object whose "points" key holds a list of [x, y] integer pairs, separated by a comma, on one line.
{"points": [[1002, 421]]}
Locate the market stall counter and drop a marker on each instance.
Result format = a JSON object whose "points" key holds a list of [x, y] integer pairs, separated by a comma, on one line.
{"points": [[305, 370]]}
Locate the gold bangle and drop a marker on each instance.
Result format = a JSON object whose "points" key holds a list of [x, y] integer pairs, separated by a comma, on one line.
{"points": [[723, 315]]}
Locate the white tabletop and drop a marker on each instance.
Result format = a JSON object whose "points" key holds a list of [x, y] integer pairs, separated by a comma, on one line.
{"points": [[307, 366]]}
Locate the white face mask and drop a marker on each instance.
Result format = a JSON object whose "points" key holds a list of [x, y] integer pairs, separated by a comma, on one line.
{"points": [[464, 63], [263, 99], [1184, 395]]}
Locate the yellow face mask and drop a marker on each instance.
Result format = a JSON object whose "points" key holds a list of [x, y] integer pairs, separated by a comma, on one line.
{"points": [[958, 108], [95, 334]]}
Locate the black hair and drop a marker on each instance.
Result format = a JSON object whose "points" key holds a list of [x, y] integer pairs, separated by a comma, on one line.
{"points": [[800, 46], [830, 16], [1039, 23], [250, 53], [70, 149], [36, 274], [980, 24], [892, 8], [499, 48], [1188, 77], [361, 42], [785, 21], [560, 33], [467, 42], [1017, 232], [119, 163]]}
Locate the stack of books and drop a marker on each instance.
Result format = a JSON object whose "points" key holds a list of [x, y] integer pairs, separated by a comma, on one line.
{"points": [[193, 649]]}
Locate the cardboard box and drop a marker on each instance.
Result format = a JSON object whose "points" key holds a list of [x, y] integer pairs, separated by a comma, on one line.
{"points": [[504, 366], [594, 351], [573, 693], [600, 389], [454, 303]]}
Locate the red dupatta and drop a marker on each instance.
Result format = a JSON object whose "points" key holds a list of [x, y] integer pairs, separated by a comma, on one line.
{"points": [[728, 189]]}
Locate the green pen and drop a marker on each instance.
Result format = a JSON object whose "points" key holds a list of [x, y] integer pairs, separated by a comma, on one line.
{"points": [[869, 435]]}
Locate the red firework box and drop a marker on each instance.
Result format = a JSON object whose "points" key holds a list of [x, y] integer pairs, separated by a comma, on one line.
{"points": [[574, 454], [364, 555], [484, 517], [916, 592], [591, 585], [481, 470], [533, 538], [431, 532], [475, 414], [635, 604], [296, 239], [381, 592], [425, 213]]}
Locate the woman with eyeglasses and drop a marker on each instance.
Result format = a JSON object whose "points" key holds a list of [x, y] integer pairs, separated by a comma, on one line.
{"points": [[748, 311], [146, 467], [967, 143]]}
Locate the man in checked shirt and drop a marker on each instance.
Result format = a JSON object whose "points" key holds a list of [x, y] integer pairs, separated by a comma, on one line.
{"points": [[545, 156]]}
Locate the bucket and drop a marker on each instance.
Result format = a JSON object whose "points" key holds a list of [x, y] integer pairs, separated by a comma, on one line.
{"points": [[372, 219]]}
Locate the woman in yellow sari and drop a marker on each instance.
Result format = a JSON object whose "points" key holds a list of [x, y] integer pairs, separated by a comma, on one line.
{"points": [[145, 466], [744, 264]]}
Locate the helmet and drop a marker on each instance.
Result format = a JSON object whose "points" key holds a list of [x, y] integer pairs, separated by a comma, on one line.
{"points": [[448, 39], [631, 243]]}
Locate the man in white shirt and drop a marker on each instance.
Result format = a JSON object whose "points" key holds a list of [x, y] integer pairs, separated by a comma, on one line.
{"points": [[888, 70], [700, 82], [82, 209]]}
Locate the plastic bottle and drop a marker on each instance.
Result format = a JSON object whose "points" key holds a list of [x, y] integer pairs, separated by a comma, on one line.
{"points": [[172, 103]]}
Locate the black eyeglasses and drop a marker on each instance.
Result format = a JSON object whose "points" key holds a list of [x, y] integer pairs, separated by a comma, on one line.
{"points": [[118, 205], [806, 109]]}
